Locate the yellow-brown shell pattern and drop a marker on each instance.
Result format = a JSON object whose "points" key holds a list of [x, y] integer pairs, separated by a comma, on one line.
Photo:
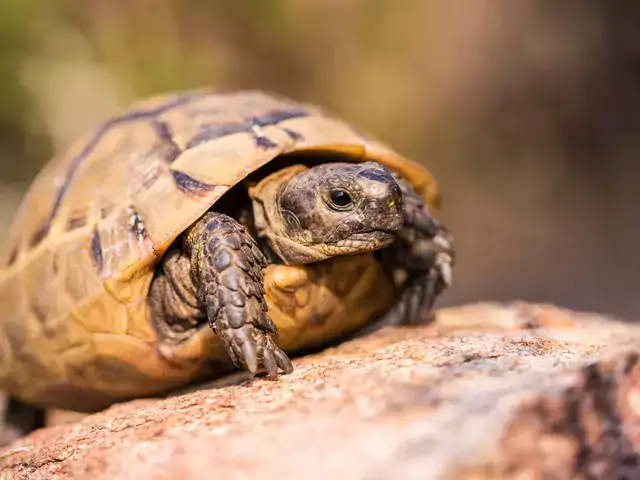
{"points": [[76, 268]]}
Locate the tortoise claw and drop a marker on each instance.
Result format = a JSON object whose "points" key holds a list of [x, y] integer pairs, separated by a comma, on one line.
{"points": [[283, 361], [250, 348], [272, 357], [250, 356], [268, 359], [443, 264]]}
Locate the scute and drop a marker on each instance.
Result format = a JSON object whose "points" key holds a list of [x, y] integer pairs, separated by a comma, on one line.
{"points": [[77, 265]]}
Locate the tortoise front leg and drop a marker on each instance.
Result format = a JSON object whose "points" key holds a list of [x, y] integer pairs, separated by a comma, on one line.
{"points": [[419, 261], [226, 268]]}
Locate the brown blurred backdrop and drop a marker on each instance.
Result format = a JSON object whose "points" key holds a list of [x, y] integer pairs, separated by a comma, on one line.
{"points": [[527, 112]]}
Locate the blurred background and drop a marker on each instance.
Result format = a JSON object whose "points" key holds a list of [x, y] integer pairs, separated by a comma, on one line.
{"points": [[526, 112]]}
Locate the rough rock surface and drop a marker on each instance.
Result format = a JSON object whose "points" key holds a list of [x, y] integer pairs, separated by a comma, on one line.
{"points": [[489, 391]]}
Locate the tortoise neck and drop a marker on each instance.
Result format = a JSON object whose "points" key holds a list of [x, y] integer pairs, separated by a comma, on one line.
{"points": [[268, 217]]}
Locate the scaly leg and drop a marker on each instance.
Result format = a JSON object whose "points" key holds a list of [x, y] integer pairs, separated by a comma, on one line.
{"points": [[419, 262], [226, 269]]}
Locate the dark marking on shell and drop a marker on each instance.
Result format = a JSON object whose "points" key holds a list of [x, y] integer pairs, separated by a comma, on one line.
{"points": [[293, 135], [137, 225], [38, 311], [276, 116], [177, 101], [96, 250], [77, 219], [214, 131], [249, 125], [264, 142], [13, 256], [190, 185], [162, 130], [169, 149], [40, 233]]}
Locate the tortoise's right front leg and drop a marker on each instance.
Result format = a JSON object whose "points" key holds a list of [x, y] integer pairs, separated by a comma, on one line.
{"points": [[419, 263], [226, 269]]}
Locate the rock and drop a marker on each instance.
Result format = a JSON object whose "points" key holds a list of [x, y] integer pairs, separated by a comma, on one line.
{"points": [[515, 391]]}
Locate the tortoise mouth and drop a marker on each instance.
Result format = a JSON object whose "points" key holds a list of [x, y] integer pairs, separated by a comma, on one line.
{"points": [[362, 242]]}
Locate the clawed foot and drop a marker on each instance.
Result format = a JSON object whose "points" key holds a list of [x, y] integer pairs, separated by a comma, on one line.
{"points": [[252, 348], [430, 274], [423, 288]]}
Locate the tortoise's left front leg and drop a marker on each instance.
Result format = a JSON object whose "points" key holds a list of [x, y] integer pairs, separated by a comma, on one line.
{"points": [[419, 261]]}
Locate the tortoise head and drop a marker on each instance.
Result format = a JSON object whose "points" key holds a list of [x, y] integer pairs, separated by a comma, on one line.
{"points": [[311, 214]]}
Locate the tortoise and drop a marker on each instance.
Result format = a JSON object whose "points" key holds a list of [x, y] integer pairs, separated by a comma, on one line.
{"points": [[202, 232]]}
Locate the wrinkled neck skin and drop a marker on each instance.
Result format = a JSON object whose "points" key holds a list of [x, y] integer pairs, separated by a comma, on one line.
{"points": [[269, 221]]}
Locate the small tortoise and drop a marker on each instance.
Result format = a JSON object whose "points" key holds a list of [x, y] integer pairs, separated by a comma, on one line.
{"points": [[197, 210]]}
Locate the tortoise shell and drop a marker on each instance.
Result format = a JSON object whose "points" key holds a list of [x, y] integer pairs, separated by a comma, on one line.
{"points": [[77, 265]]}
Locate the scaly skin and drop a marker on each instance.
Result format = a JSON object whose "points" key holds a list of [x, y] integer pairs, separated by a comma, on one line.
{"points": [[227, 264]]}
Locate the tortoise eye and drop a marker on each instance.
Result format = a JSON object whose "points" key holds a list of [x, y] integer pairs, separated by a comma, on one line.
{"points": [[341, 200]]}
